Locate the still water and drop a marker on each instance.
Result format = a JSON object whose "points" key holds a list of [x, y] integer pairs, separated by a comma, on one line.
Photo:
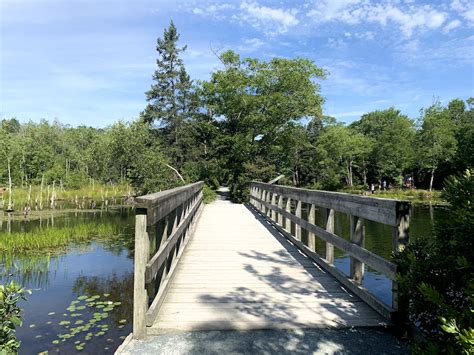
{"points": [[82, 297]]}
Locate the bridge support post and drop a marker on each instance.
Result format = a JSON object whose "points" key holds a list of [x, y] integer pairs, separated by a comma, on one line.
{"points": [[400, 240], [288, 221], [312, 220], [358, 238], [280, 205], [140, 297], [273, 213], [298, 226], [330, 229]]}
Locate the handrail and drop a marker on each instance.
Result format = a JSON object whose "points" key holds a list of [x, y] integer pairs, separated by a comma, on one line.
{"points": [[275, 203], [164, 219]]}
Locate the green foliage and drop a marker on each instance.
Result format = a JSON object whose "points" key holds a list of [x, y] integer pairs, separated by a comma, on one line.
{"points": [[251, 101], [436, 276], [10, 315], [209, 195]]}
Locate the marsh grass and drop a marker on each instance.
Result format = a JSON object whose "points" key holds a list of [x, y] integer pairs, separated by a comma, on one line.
{"points": [[418, 196], [51, 239], [97, 192]]}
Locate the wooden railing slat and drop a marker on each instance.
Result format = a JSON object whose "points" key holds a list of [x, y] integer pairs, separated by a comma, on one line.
{"points": [[160, 256], [377, 262]]}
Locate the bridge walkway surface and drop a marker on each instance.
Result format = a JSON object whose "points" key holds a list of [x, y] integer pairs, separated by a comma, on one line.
{"points": [[242, 287]]}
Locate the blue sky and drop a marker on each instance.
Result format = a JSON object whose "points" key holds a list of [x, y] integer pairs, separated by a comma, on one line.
{"points": [[90, 62]]}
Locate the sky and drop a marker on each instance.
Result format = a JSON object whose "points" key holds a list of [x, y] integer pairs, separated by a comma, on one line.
{"points": [[90, 62]]}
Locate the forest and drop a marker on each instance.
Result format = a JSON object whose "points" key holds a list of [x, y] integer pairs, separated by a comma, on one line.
{"points": [[252, 120]]}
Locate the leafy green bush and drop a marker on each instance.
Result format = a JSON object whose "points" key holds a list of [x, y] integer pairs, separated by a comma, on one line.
{"points": [[10, 315], [436, 276], [209, 194]]}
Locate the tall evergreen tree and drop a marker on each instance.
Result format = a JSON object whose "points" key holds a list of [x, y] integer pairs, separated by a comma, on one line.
{"points": [[170, 98]]}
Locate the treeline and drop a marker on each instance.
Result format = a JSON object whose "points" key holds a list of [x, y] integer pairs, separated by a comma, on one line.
{"points": [[251, 120]]}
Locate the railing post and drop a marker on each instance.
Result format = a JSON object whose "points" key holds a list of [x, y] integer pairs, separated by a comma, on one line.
{"points": [[297, 225], [330, 229], [273, 213], [140, 297], [287, 220], [269, 201], [400, 240], [280, 205], [358, 238], [312, 220]]}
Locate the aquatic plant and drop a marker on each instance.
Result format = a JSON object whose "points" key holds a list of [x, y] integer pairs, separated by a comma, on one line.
{"points": [[54, 238]]}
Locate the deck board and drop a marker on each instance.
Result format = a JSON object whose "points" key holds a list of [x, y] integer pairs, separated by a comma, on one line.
{"points": [[236, 274]]}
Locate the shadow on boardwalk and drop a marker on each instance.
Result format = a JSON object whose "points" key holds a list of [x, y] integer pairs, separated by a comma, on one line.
{"points": [[289, 314]]}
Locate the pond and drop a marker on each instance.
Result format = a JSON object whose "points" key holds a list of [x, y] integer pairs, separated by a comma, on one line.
{"points": [[378, 239], [83, 296]]}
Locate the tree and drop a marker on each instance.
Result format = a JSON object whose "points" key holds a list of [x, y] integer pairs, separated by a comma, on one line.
{"points": [[172, 101], [436, 141], [251, 101], [392, 135]]}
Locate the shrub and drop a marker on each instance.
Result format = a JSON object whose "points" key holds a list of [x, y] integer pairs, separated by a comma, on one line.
{"points": [[436, 277], [10, 315]]}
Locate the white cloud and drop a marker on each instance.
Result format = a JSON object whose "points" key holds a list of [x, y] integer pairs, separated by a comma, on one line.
{"points": [[464, 8], [271, 20], [215, 11], [407, 17], [451, 26], [250, 45]]}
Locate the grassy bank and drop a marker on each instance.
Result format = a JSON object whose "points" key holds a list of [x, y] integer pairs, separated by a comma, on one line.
{"points": [[417, 196], [51, 239]]}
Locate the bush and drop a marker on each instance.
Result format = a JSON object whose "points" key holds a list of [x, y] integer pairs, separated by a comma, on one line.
{"points": [[10, 315], [209, 194], [436, 277]]}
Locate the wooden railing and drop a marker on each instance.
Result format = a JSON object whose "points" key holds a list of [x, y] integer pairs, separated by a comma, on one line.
{"points": [[277, 203], [164, 221]]}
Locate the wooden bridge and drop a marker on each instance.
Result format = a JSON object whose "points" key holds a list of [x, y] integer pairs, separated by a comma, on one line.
{"points": [[255, 266]]}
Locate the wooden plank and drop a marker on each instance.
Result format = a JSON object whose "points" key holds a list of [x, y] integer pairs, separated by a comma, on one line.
{"points": [[312, 220], [140, 298], [221, 281], [383, 309], [372, 208], [377, 262]]}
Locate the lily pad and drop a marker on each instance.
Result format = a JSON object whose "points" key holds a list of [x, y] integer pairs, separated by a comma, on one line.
{"points": [[79, 321], [122, 321], [51, 313], [55, 342], [106, 294], [76, 314], [49, 322], [64, 322], [81, 298], [32, 325]]}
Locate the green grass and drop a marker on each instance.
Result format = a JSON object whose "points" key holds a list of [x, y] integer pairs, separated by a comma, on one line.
{"points": [[51, 239]]}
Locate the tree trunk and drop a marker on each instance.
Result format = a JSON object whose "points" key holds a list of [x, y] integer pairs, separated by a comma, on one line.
{"points": [[9, 208], [350, 173], [432, 178]]}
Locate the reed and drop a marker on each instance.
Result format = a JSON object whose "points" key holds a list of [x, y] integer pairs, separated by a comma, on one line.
{"points": [[42, 197], [41, 240]]}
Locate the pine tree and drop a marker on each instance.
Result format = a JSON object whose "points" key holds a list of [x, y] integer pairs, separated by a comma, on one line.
{"points": [[171, 101]]}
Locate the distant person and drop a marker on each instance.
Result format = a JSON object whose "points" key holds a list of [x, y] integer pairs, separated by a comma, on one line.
{"points": [[384, 185], [372, 188]]}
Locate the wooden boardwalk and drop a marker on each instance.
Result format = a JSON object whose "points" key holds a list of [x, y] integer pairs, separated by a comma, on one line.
{"points": [[238, 272]]}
